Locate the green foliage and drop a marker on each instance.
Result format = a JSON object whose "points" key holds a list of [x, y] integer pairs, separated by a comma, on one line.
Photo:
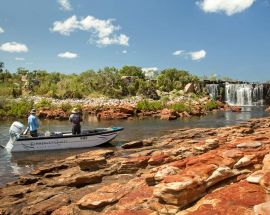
{"points": [[148, 89], [109, 82], [170, 79], [19, 109], [211, 105], [132, 71], [180, 107], [150, 105], [165, 99], [65, 106], [44, 104]]}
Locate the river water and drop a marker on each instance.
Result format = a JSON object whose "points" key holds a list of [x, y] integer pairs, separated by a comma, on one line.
{"points": [[13, 165]]}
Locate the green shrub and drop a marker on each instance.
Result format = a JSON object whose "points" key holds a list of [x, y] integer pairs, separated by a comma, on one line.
{"points": [[44, 104], [150, 105], [20, 108], [211, 105], [164, 99], [66, 106], [180, 107]]}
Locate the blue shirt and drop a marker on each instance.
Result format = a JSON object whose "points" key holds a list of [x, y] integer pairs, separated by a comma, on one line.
{"points": [[33, 122]]}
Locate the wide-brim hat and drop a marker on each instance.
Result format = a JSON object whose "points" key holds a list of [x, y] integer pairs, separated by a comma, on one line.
{"points": [[33, 111], [75, 110]]}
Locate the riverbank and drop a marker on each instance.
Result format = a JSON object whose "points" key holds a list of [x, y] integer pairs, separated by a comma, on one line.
{"points": [[168, 108], [189, 171]]}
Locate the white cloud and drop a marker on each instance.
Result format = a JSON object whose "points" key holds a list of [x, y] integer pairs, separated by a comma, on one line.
{"points": [[1, 30], [147, 69], [103, 28], [178, 52], [19, 58], [67, 26], [68, 55], [197, 55], [124, 51], [64, 5], [230, 7], [114, 39], [103, 32], [13, 47]]}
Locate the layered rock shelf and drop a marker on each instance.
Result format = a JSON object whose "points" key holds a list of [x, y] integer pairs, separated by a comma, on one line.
{"points": [[186, 172]]}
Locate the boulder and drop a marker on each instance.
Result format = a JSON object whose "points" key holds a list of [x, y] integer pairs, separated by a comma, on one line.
{"points": [[132, 165], [132, 144], [182, 192], [168, 114], [189, 88], [253, 144], [92, 164], [255, 177], [165, 171]]}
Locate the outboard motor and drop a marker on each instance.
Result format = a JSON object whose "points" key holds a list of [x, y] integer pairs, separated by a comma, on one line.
{"points": [[15, 130]]}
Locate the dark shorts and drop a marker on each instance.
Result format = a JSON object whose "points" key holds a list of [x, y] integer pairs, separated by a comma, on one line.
{"points": [[76, 129], [34, 133]]}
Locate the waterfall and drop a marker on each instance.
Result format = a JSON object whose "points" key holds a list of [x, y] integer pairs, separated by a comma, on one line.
{"points": [[213, 90], [244, 94]]}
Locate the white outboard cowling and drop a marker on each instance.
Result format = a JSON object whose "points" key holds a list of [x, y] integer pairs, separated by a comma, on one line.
{"points": [[15, 130]]}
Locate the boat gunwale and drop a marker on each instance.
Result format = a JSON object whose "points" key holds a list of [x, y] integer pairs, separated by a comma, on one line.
{"points": [[71, 136]]}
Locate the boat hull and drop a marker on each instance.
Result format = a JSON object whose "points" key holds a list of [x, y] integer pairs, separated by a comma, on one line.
{"points": [[63, 142]]}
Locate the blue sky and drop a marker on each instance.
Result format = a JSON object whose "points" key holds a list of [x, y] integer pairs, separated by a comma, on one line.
{"points": [[205, 37]]}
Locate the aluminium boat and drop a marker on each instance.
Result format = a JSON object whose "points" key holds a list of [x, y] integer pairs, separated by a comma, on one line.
{"points": [[19, 142]]}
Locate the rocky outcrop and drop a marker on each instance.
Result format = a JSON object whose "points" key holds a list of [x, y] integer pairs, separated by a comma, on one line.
{"points": [[187, 172], [168, 114]]}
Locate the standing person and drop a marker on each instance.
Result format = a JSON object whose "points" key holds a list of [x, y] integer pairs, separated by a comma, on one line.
{"points": [[76, 119], [33, 123]]}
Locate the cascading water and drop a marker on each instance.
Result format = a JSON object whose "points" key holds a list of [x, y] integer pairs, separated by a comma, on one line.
{"points": [[213, 90], [244, 94]]}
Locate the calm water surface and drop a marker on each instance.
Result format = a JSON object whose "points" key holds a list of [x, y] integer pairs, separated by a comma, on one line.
{"points": [[12, 165]]}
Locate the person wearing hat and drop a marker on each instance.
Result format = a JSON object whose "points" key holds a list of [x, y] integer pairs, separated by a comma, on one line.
{"points": [[33, 123], [75, 118]]}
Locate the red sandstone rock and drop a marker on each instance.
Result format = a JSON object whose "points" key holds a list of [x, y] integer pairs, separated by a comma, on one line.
{"points": [[173, 172], [133, 165], [127, 109], [168, 114], [53, 114], [255, 177], [92, 164], [265, 181], [110, 114], [235, 108], [102, 197], [249, 145], [180, 193], [132, 144], [267, 109], [262, 209], [237, 199], [131, 212], [47, 206]]}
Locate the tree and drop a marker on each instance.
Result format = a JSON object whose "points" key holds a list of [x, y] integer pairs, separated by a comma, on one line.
{"points": [[170, 79], [132, 71]]}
